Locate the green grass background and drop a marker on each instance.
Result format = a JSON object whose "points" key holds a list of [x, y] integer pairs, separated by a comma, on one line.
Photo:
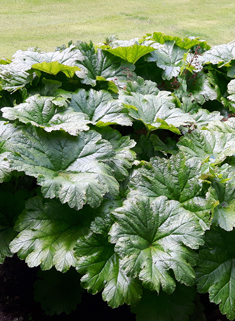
{"points": [[49, 23]]}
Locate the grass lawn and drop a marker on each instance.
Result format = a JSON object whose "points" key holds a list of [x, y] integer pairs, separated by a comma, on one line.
{"points": [[49, 23]]}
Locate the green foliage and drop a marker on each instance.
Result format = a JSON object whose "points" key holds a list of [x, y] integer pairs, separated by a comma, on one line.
{"points": [[120, 183]]}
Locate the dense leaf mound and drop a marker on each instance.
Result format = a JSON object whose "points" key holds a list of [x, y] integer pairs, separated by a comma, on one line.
{"points": [[117, 169]]}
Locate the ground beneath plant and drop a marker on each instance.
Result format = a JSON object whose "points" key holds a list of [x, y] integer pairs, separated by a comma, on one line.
{"points": [[17, 304]]}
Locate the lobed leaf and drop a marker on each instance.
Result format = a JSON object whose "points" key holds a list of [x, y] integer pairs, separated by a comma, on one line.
{"points": [[208, 145], [222, 194], [100, 264], [55, 67], [154, 236], [101, 63], [168, 57], [70, 168], [48, 232], [156, 111], [100, 107], [43, 112], [216, 270], [219, 55], [130, 53]]}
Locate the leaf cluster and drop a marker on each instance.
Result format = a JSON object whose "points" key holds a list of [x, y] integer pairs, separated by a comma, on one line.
{"points": [[117, 169]]}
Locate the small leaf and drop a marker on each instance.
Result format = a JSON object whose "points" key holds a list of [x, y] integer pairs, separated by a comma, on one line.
{"points": [[13, 79], [204, 117], [177, 178], [124, 156], [23, 60], [144, 87]]}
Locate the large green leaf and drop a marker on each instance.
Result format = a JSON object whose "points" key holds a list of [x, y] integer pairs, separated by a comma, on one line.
{"points": [[43, 112], [185, 43], [219, 55], [101, 63], [204, 117], [54, 67], [168, 57], [12, 79], [124, 156], [7, 131], [154, 236], [23, 60], [71, 168], [48, 232], [130, 53], [100, 107], [216, 272], [208, 145], [177, 178], [175, 307], [201, 88], [222, 195], [156, 111], [144, 87], [100, 264]]}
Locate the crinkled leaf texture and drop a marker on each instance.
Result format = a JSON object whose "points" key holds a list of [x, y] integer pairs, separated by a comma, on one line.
{"points": [[73, 169], [222, 195], [154, 236], [23, 60], [156, 111], [57, 292], [169, 57], [177, 178], [13, 79], [130, 53], [185, 43], [43, 112], [102, 64], [177, 306], [219, 55], [204, 144], [55, 67], [100, 107], [216, 271], [144, 87], [100, 264], [124, 155], [48, 232]]}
